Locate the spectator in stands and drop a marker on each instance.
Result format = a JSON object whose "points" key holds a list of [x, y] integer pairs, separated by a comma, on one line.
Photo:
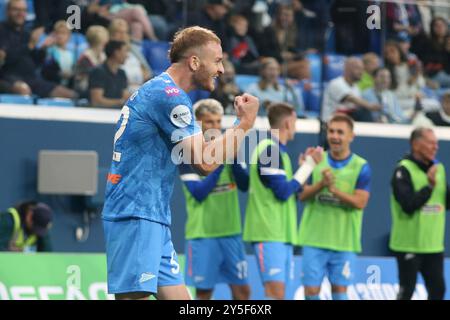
{"points": [[21, 57], [92, 13], [306, 19], [102, 12], [226, 89], [350, 26], [371, 63], [441, 117], [212, 16], [426, 14], [108, 83], [434, 55], [381, 94], [25, 227], [407, 78], [343, 95], [419, 200], [280, 40], [403, 20], [60, 62], [270, 90], [48, 12], [13, 86], [135, 15], [97, 37], [136, 66], [242, 50], [162, 15]]}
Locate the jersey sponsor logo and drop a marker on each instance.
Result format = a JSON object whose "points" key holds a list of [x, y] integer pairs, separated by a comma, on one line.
{"points": [[329, 199], [274, 271], [114, 178], [199, 279], [172, 91], [224, 188], [181, 116], [146, 276], [432, 209]]}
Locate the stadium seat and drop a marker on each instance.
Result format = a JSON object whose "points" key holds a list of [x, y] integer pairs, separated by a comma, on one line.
{"points": [[315, 66], [334, 66], [3, 4], [55, 102], [311, 96], [244, 80], [77, 44], [156, 53], [16, 99]]}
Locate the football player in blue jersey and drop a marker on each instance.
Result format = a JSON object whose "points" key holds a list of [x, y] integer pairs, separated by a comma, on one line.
{"points": [[156, 129]]}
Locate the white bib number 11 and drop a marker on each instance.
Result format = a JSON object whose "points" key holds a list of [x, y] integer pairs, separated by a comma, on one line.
{"points": [[125, 113]]}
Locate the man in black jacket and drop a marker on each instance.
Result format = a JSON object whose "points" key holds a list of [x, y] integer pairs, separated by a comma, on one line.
{"points": [[420, 198]]}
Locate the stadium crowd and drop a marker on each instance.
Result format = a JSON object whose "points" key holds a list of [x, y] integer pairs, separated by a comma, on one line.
{"points": [[281, 51]]}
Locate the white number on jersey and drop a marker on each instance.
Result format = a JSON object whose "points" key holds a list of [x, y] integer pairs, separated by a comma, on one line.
{"points": [[126, 114]]}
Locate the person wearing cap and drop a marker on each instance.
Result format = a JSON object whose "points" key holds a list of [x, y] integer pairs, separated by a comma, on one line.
{"points": [[25, 227]]}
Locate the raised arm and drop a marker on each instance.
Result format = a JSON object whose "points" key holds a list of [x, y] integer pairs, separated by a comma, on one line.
{"points": [[204, 156]]}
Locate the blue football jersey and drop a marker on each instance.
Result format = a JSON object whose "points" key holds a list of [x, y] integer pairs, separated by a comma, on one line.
{"points": [[141, 178]]}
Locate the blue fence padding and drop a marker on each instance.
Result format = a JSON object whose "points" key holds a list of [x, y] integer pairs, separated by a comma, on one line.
{"points": [[315, 66], [244, 80], [156, 53], [334, 66], [16, 99], [55, 102]]}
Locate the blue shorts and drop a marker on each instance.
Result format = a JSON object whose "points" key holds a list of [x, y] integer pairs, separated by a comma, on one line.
{"points": [[318, 263], [140, 256], [275, 261], [215, 260]]}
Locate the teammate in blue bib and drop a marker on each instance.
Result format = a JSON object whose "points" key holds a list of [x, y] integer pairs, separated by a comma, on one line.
{"points": [[156, 131]]}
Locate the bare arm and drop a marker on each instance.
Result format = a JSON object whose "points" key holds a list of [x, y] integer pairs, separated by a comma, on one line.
{"points": [[98, 99], [309, 191], [363, 103], [357, 200], [205, 157]]}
